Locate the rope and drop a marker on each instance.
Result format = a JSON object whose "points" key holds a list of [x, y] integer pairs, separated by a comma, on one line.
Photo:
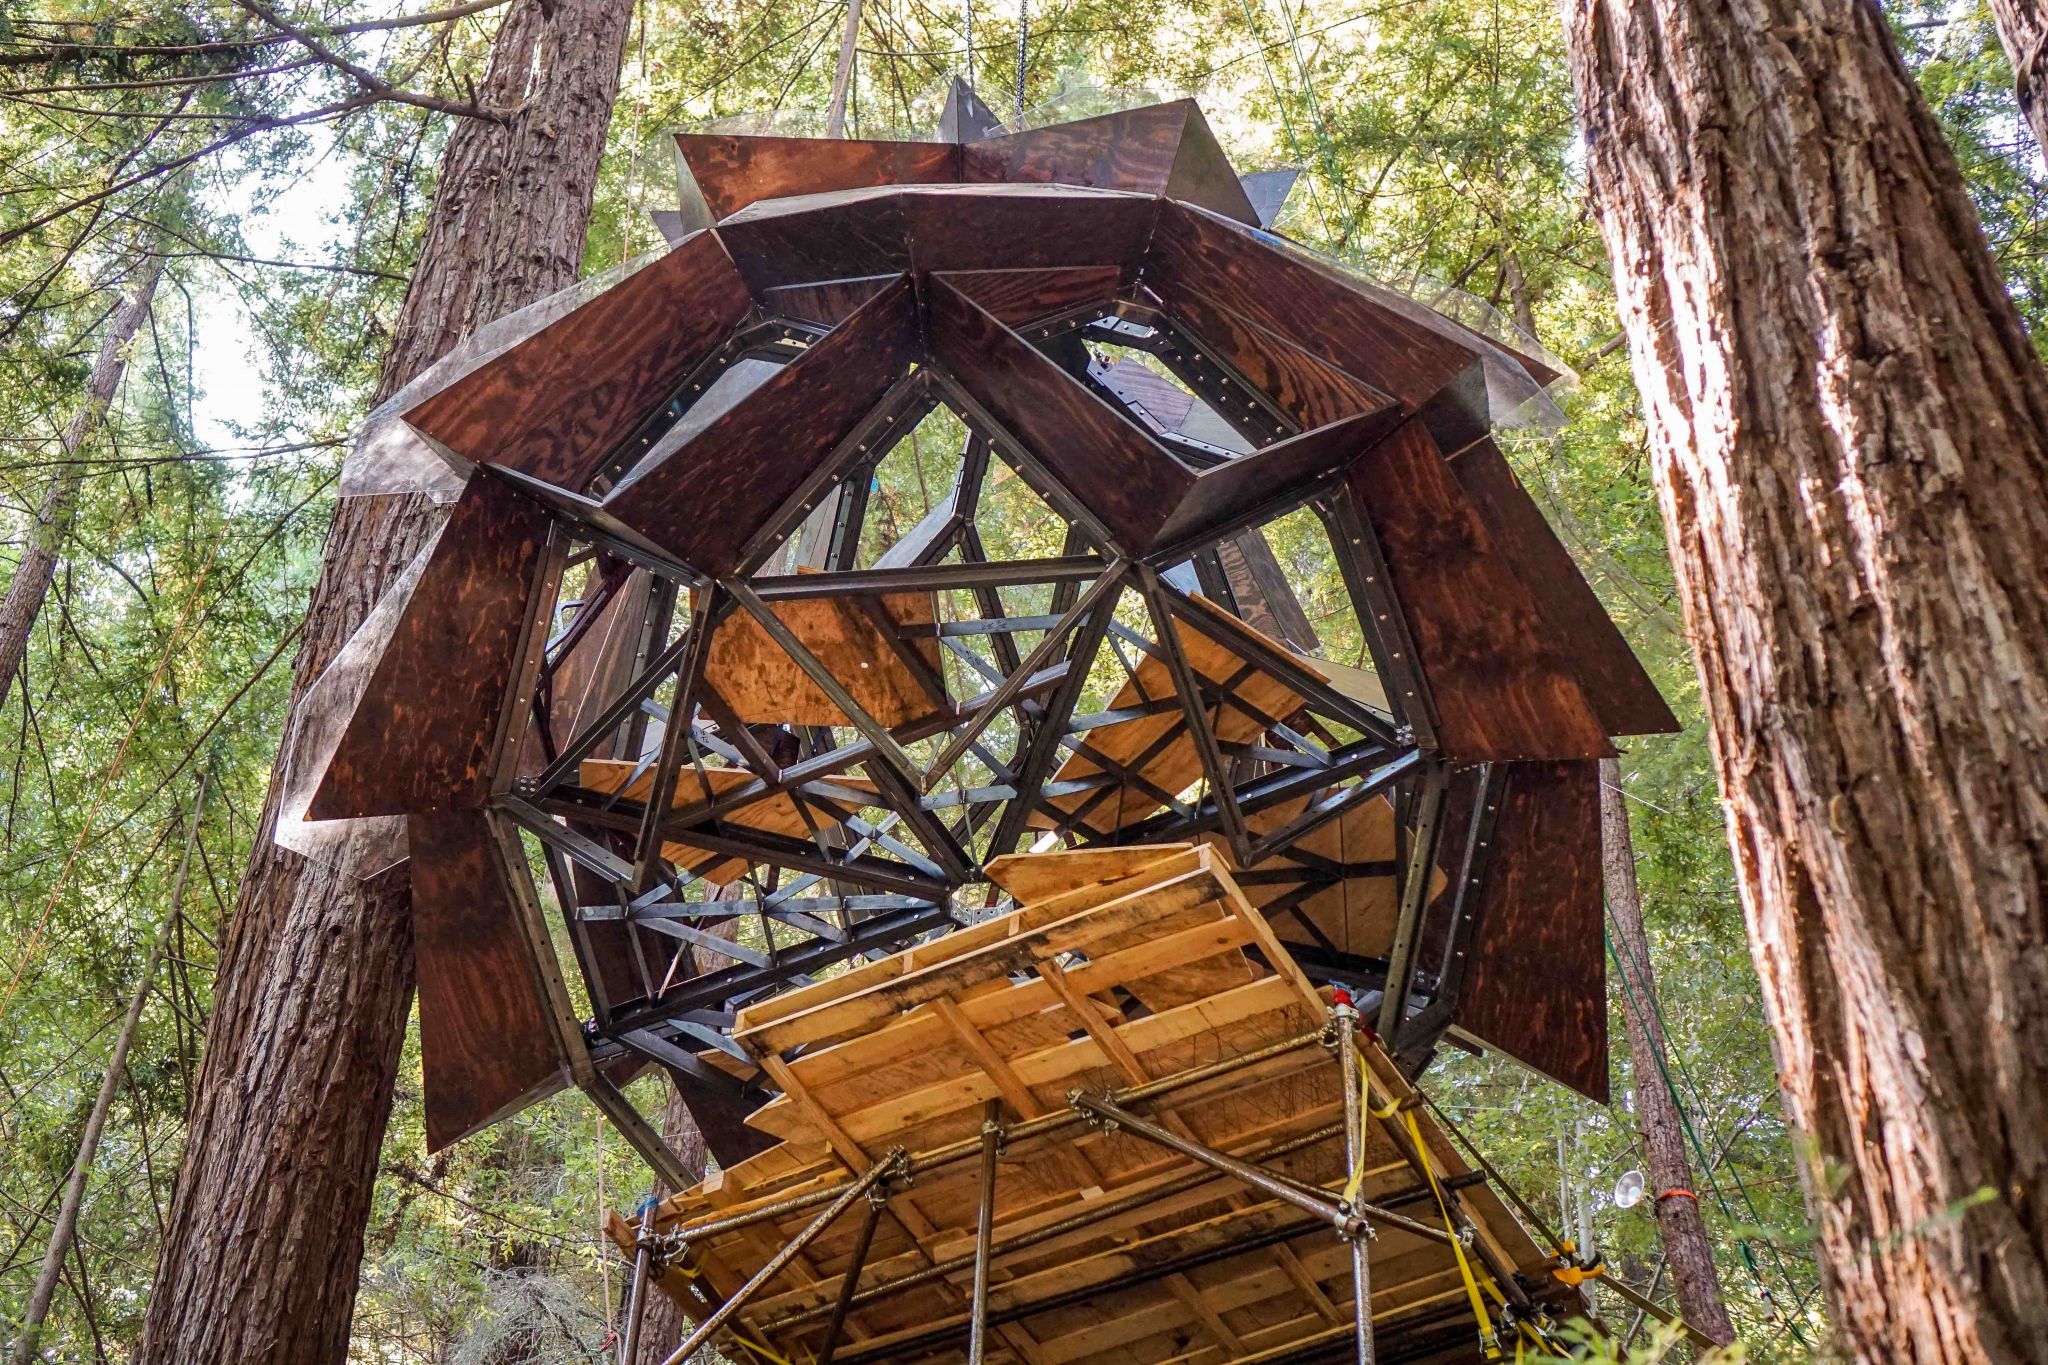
{"points": [[1477, 1288], [1286, 119], [193, 617], [1700, 1157], [1320, 124]]}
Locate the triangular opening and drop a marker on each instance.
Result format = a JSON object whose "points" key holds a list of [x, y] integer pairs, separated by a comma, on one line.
{"points": [[747, 360]]}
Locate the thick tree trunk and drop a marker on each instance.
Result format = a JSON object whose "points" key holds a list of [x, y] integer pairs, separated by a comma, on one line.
{"points": [[662, 1325], [259, 1259], [1851, 440], [1688, 1255], [2023, 29], [37, 568]]}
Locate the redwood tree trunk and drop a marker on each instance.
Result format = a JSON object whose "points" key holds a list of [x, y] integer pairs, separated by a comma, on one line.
{"points": [[37, 568], [260, 1257], [2023, 29], [1688, 1255], [1851, 442]]}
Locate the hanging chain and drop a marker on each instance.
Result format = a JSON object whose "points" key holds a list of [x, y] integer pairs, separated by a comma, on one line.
{"points": [[1023, 38]]}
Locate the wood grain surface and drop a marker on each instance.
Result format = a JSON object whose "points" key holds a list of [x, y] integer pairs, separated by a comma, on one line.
{"points": [[556, 405], [421, 734], [486, 1046], [1498, 677], [1537, 984]]}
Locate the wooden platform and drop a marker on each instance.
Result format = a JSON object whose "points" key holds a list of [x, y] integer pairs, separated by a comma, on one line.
{"points": [[1122, 967]]}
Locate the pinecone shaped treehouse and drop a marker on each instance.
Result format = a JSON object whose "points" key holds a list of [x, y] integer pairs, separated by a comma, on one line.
{"points": [[922, 503]]}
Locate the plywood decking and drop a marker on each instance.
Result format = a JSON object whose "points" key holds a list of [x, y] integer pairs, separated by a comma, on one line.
{"points": [[1122, 967]]}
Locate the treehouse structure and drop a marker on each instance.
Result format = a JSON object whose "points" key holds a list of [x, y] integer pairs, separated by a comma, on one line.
{"points": [[1010, 870]]}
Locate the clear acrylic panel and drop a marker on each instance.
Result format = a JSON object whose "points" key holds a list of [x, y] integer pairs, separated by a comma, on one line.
{"points": [[390, 457], [364, 847]]}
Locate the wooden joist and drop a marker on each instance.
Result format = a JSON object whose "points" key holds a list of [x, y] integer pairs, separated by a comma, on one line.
{"points": [[1182, 1264]]}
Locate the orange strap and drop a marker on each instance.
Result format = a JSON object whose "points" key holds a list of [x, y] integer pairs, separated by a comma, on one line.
{"points": [[1678, 1194]]}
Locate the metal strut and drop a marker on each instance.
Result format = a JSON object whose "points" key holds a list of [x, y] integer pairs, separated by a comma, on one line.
{"points": [[1344, 1021], [889, 1165]]}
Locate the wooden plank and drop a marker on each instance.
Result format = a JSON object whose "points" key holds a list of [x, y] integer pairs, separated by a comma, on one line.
{"points": [[825, 302], [1035, 877], [1615, 685], [1088, 1017], [1026, 227], [408, 748], [702, 501], [1536, 983], [557, 405], [858, 1013], [1307, 386], [1285, 293], [1167, 764], [1182, 859], [1500, 684], [1243, 492], [487, 1048]]}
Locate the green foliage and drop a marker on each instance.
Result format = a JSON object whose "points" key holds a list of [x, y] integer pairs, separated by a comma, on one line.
{"points": [[1439, 148]]}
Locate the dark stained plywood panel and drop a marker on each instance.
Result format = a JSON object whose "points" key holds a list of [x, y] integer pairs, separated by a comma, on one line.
{"points": [[1018, 297], [1159, 149], [486, 1046], [556, 405], [1233, 267], [1614, 683], [703, 500], [1107, 463], [1501, 688], [1005, 227], [614, 949], [832, 237], [1536, 987], [593, 670], [1249, 488], [421, 735], [1311, 391], [827, 302], [731, 171], [1202, 173]]}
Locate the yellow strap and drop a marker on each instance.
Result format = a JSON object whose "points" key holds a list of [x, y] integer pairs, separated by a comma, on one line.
{"points": [[1393, 1106], [760, 1350], [1443, 1207]]}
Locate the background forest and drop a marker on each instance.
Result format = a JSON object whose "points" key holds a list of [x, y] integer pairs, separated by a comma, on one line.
{"points": [[281, 186]]}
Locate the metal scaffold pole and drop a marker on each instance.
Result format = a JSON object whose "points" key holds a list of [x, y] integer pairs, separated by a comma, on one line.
{"points": [[1344, 1021]]}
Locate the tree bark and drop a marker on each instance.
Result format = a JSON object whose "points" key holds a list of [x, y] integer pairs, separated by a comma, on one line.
{"points": [[1850, 435], [1688, 1255], [2023, 29], [662, 1324], [37, 568], [259, 1261]]}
